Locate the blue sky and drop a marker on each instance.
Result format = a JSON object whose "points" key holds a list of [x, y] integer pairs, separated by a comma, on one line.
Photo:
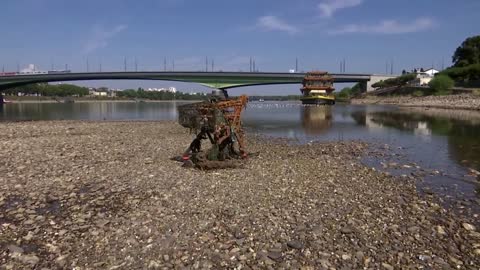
{"points": [[367, 33]]}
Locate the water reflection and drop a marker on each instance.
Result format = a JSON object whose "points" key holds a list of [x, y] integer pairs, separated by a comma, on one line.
{"points": [[436, 140], [316, 119], [91, 111], [461, 130]]}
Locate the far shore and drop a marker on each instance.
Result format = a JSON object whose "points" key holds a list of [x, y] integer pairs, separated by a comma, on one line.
{"points": [[93, 100]]}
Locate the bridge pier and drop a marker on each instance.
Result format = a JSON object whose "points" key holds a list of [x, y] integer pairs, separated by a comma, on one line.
{"points": [[220, 93], [225, 93], [364, 86], [1, 101]]}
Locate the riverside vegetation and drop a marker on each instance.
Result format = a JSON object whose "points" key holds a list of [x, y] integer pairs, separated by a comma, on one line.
{"points": [[69, 90], [465, 72], [105, 195], [49, 90]]}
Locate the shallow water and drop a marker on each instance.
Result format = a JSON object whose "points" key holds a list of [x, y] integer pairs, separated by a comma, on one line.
{"points": [[441, 146]]}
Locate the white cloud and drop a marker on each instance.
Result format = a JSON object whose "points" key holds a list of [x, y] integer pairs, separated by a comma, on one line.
{"points": [[329, 7], [272, 23], [388, 27], [100, 37]]}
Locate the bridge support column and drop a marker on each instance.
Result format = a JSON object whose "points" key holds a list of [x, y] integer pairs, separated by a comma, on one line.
{"points": [[364, 86], [225, 93], [1, 101], [220, 93], [373, 80]]}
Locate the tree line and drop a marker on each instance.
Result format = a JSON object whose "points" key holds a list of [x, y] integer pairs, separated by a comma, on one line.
{"points": [[466, 62], [349, 92], [70, 90], [49, 90], [441, 84], [160, 95], [399, 81]]}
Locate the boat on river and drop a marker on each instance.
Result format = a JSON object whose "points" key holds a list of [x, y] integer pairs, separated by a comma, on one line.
{"points": [[318, 88]]}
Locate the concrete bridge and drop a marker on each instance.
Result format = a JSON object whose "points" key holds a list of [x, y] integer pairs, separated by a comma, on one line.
{"points": [[218, 80]]}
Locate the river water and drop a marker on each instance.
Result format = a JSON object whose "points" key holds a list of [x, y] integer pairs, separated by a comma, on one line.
{"points": [[440, 146]]}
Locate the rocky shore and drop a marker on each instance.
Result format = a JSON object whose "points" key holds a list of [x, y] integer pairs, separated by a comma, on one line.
{"points": [[463, 101], [105, 195]]}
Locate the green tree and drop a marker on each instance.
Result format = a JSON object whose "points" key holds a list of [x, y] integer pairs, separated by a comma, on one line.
{"points": [[441, 84], [161, 95], [344, 93], [468, 53], [44, 89], [356, 89], [464, 74]]}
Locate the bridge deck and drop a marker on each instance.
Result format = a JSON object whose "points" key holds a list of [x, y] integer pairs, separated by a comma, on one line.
{"points": [[222, 80]]}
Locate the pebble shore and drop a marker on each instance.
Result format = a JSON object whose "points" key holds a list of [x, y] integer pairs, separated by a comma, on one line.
{"points": [[463, 101], [106, 195]]}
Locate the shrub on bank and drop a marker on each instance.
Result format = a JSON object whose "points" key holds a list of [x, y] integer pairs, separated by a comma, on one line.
{"points": [[464, 74], [442, 85], [418, 93], [349, 92], [399, 81], [344, 93]]}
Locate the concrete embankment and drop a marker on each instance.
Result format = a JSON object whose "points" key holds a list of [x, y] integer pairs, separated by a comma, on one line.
{"points": [[463, 101], [105, 195]]}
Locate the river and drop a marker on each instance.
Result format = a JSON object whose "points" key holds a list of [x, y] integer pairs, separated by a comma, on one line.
{"points": [[442, 147]]}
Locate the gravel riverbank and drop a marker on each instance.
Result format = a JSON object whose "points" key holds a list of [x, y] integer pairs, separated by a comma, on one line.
{"points": [[105, 195], [463, 101]]}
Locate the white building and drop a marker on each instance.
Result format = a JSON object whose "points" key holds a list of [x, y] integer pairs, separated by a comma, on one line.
{"points": [[431, 72], [32, 69], [170, 89], [100, 94], [422, 79]]}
